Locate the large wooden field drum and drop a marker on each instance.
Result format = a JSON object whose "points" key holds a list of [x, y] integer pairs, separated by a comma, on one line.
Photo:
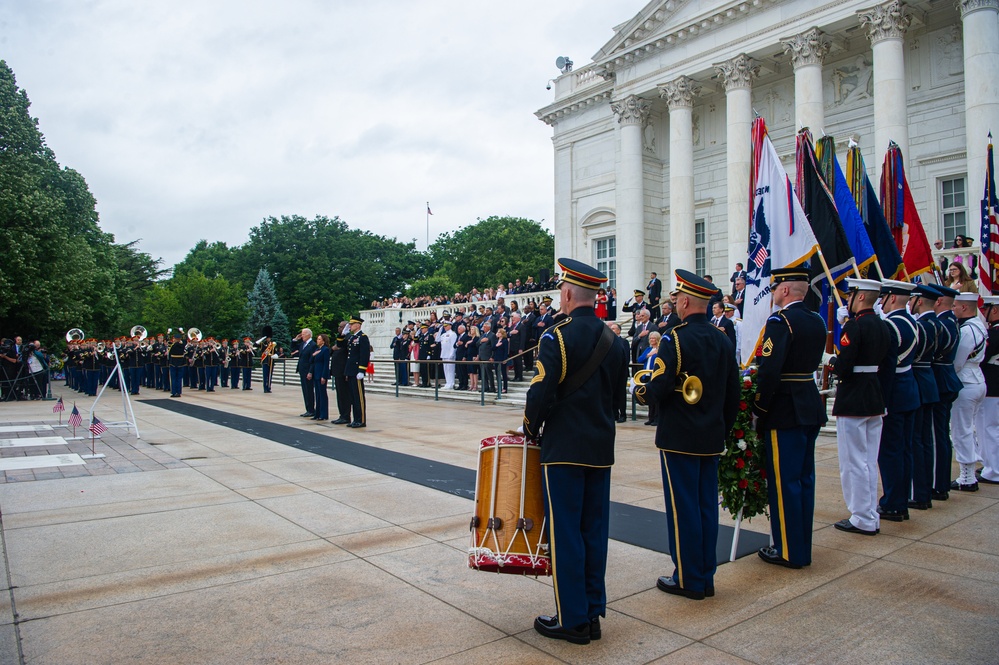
{"points": [[509, 532]]}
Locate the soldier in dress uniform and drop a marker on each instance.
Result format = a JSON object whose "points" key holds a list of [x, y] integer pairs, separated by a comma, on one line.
{"points": [[988, 415], [358, 357], [864, 366], [246, 363], [789, 413], [636, 305], [212, 361], [570, 408], [691, 433], [178, 361], [224, 363], [921, 307], [235, 361], [948, 385], [895, 450], [338, 370], [968, 365]]}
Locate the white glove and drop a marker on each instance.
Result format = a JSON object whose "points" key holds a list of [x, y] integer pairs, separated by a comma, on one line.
{"points": [[842, 314], [632, 385], [360, 375], [520, 430]]}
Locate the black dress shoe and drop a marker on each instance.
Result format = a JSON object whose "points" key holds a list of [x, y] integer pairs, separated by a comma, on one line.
{"points": [[920, 505], [669, 585], [357, 425], [771, 555], [622, 420], [648, 422], [893, 515], [595, 628], [307, 414], [973, 487], [550, 627], [340, 421], [847, 525], [978, 474], [939, 496]]}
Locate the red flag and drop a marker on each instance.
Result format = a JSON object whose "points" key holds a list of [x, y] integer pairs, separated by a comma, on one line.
{"points": [[58, 406], [75, 419], [97, 427], [903, 219]]}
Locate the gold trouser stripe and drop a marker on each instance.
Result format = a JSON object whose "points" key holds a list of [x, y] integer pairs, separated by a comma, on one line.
{"points": [[551, 543], [676, 524], [360, 391], [780, 494]]}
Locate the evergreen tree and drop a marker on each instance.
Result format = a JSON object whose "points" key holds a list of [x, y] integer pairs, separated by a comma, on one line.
{"points": [[265, 310]]}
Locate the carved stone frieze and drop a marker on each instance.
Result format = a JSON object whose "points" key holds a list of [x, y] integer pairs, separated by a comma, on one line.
{"points": [[632, 110], [969, 6], [887, 21], [680, 92], [739, 72], [808, 48]]}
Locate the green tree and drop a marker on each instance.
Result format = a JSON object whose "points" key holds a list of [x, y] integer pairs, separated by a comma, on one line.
{"points": [[492, 251], [266, 310], [218, 259], [437, 284], [191, 300], [59, 269]]}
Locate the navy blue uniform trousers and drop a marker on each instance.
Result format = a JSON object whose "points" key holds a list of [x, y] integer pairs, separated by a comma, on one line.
{"points": [[790, 464], [176, 380], [577, 503], [923, 455], [895, 460], [690, 485], [943, 446]]}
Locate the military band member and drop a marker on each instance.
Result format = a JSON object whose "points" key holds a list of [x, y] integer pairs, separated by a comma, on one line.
{"points": [[790, 412], [865, 363], [988, 415], [921, 306], [691, 433], [895, 450], [246, 363], [224, 363], [178, 361], [358, 357], [235, 366], [570, 408], [149, 364], [199, 377], [968, 366], [948, 385], [212, 362], [267, 357]]}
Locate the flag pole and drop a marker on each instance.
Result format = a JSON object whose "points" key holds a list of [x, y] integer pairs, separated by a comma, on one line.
{"points": [[832, 283], [428, 225]]}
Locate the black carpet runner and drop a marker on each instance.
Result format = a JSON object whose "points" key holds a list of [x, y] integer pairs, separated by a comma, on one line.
{"points": [[628, 524]]}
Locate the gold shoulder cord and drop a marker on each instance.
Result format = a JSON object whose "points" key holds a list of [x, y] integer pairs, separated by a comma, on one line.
{"points": [[679, 358]]}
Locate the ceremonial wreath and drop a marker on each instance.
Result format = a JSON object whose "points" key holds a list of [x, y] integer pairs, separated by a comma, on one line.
{"points": [[741, 472]]}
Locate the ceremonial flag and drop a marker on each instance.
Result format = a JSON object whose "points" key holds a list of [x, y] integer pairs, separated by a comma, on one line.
{"points": [[889, 261], [75, 419], [97, 427], [817, 202], [988, 266], [428, 208], [903, 219], [849, 215], [780, 237], [58, 406]]}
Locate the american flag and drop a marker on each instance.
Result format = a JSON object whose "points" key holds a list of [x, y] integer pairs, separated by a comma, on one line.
{"points": [[75, 419], [58, 406], [760, 257], [988, 266], [97, 427]]}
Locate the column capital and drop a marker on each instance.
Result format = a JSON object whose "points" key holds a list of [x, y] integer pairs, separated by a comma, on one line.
{"points": [[632, 110], [970, 6], [680, 92], [808, 48], [887, 21], [740, 71]]}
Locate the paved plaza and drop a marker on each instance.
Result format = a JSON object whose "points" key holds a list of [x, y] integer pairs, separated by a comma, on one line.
{"points": [[199, 543]]}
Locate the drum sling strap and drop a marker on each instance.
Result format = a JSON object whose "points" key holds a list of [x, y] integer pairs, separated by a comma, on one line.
{"points": [[574, 382]]}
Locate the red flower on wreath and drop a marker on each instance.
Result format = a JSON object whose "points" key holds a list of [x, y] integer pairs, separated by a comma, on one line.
{"points": [[763, 474], [738, 434], [749, 453], [743, 406], [740, 463], [747, 382], [756, 487], [743, 484]]}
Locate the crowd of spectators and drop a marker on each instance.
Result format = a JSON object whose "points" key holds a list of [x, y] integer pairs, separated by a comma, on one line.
{"points": [[473, 296]]}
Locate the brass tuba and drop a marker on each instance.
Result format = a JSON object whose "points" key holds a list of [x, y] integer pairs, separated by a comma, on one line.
{"points": [[74, 335], [138, 331], [194, 335]]}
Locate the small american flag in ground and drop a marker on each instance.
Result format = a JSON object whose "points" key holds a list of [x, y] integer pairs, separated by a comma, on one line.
{"points": [[58, 406], [97, 427], [75, 419]]}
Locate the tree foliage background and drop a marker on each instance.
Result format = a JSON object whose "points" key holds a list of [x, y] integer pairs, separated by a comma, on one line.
{"points": [[59, 270]]}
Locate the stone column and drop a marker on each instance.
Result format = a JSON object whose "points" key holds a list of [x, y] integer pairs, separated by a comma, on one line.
{"points": [[807, 51], [981, 90], [886, 25], [679, 96], [738, 74], [632, 113]]}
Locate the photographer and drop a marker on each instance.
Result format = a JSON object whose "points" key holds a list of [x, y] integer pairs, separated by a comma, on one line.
{"points": [[37, 360]]}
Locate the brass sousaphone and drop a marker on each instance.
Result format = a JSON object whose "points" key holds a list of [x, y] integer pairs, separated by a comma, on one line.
{"points": [[75, 335]]}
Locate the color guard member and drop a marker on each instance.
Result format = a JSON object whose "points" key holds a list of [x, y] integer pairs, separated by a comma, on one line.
{"points": [[691, 433], [790, 412], [948, 385], [968, 366], [921, 306], [988, 415], [571, 398]]}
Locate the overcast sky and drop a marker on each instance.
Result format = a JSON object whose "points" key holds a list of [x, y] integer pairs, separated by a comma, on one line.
{"points": [[197, 119]]}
